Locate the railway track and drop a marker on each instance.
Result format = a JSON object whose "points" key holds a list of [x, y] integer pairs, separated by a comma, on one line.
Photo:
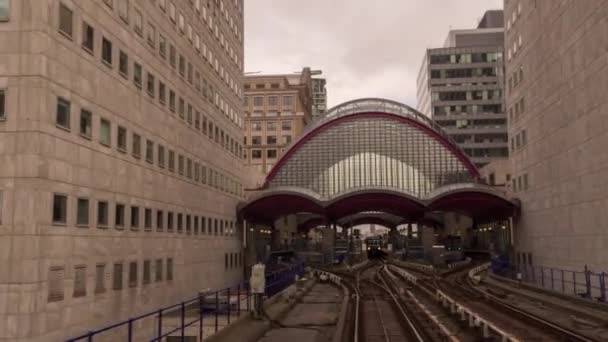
{"points": [[504, 317], [382, 317]]}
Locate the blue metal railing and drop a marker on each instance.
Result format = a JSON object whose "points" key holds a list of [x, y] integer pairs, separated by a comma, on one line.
{"points": [[586, 283], [224, 303]]}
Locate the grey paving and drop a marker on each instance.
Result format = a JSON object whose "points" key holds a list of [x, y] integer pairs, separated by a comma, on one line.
{"points": [[313, 319]]}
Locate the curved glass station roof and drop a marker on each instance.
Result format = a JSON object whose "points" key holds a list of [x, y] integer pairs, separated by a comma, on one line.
{"points": [[363, 155]]}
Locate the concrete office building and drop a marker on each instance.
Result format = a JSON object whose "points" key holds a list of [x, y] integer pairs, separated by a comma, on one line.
{"points": [[319, 97], [277, 108], [557, 73], [460, 86], [120, 153]]}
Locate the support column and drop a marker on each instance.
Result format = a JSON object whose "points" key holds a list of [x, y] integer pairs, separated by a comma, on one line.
{"points": [[275, 239], [428, 240]]}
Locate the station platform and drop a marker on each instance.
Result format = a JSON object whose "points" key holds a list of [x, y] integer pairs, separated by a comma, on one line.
{"points": [[308, 314]]}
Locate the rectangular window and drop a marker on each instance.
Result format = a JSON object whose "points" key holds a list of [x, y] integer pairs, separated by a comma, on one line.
{"points": [[172, 54], [256, 140], [121, 139], [148, 219], [139, 25], [104, 133], [189, 116], [256, 154], [123, 10], [162, 46], [137, 74], [150, 85], [80, 281], [4, 10], [56, 275], [136, 146], [286, 125], [86, 120], [134, 217], [133, 274], [160, 221], [102, 214], [169, 269], [272, 100], [172, 101], [271, 154], [63, 113], [60, 209], [2, 103], [146, 279], [188, 224], [161, 156], [171, 161], [106, 51], [123, 64], [169, 221], [88, 37], [159, 270], [182, 108], [66, 20], [271, 140], [117, 277], [180, 165], [100, 278], [287, 102], [120, 216], [82, 215], [182, 65], [151, 34], [161, 92], [189, 168], [149, 151], [180, 223], [258, 101]]}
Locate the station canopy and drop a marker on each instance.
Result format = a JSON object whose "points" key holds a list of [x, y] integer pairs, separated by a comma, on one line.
{"points": [[369, 160]]}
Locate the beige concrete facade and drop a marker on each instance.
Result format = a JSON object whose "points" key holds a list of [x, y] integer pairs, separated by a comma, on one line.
{"points": [[277, 109], [557, 73], [168, 205], [497, 173]]}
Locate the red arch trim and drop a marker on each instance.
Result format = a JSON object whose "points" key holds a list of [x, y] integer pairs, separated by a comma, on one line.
{"points": [[424, 128]]}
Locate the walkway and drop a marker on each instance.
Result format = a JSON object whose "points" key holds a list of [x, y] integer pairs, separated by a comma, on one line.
{"points": [[313, 319]]}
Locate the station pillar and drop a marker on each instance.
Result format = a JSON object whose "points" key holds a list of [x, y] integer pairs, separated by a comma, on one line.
{"points": [[428, 240]]}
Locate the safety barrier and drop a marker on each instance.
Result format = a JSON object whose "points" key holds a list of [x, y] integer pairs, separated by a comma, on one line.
{"points": [[474, 319], [186, 318], [586, 284]]}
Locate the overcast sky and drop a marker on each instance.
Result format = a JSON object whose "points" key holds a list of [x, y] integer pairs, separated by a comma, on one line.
{"points": [[365, 48]]}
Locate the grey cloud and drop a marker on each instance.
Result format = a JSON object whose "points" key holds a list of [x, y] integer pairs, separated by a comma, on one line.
{"points": [[365, 48]]}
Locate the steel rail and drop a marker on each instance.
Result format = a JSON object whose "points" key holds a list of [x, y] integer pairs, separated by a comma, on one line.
{"points": [[572, 335]]}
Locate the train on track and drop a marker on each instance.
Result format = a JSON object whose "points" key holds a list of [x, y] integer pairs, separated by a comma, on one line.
{"points": [[376, 247]]}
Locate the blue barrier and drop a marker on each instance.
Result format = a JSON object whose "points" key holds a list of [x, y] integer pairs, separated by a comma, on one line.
{"points": [[207, 305], [586, 283]]}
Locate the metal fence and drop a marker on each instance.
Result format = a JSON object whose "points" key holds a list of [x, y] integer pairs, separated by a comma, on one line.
{"points": [[194, 319], [586, 284]]}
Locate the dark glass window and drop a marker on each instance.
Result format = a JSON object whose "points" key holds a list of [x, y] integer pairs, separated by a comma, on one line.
{"points": [[88, 37], [63, 113], [66, 20], [106, 51]]}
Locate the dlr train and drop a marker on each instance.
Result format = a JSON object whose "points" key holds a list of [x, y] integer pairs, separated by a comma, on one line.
{"points": [[376, 248]]}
